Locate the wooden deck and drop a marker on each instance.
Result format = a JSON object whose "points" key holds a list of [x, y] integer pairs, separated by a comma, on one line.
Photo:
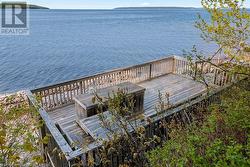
{"points": [[169, 74], [179, 87]]}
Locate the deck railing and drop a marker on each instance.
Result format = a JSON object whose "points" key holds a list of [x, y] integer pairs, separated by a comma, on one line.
{"points": [[217, 76], [61, 94]]}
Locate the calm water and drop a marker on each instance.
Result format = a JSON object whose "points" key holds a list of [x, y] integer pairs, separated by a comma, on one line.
{"points": [[67, 44]]}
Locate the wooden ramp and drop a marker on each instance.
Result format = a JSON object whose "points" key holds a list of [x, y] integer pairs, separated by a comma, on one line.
{"points": [[179, 87]]}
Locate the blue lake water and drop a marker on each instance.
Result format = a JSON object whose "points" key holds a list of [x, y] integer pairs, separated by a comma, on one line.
{"points": [[68, 44]]}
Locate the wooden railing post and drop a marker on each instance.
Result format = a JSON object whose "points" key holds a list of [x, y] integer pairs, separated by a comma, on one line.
{"points": [[174, 65], [195, 70], [150, 71]]}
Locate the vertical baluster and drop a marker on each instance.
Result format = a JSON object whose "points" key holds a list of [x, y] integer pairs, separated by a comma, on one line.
{"points": [[145, 73], [99, 81], [177, 67], [44, 104], [103, 80], [136, 74], [163, 71], [50, 99], [110, 80], [87, 85], [113, 79], [81, 87], [84, 86], [56, 96], [186, 68], [226, 78], [151, 71], [95, 80], [124, 74], [221, 77], [180, 65], [215, 76], [130, 75], [139, 74], [53, 97], [46, 98], [60, 93], [74, 89], [63, 94], [183, 67], [67, 91], [71, 91]]}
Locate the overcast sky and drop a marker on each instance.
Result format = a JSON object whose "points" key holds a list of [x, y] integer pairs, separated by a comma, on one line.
{"points": [[109, 4]]}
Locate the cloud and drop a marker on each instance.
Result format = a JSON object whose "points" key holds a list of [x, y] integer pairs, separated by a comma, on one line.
{"points": [[145, 4]]}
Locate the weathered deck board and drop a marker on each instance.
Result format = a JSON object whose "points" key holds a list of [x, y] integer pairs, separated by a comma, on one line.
{"points": [[180, 89], [66, 117]]}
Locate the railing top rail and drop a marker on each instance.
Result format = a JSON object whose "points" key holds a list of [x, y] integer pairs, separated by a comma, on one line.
{"points": [[179, 58], [102, 73]]}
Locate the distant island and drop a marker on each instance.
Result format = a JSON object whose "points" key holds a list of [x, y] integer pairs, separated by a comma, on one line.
{"points": [[151, 8], [37, 7], [30, 6]]}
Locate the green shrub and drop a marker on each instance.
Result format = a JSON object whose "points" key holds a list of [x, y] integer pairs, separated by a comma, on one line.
{"points": [[222, 139]]}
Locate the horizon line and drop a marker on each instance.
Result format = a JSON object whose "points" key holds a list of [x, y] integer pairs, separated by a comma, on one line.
{"points": [[126, 7], [195, 7]]}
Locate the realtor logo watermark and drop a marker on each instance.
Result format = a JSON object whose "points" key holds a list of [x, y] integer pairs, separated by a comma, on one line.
{"points": [[14, 18]]}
